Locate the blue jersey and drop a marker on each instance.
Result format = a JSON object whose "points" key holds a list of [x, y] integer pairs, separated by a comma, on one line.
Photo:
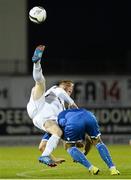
{"points": [[75, 123]]}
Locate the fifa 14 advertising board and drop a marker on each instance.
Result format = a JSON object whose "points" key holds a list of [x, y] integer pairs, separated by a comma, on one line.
{"points": [[109, 97]]}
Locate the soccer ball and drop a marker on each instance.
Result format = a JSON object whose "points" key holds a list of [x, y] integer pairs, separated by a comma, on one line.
{"points": [[37, 14]]}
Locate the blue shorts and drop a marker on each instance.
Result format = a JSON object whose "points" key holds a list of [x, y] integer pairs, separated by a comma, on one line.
{"points": [[75, 123], [46, 137]]}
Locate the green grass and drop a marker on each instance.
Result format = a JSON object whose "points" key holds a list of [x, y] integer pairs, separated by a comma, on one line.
{"points": [[21, 163]]}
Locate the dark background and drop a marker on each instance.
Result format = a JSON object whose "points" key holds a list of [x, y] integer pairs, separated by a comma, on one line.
{"points": [[83, 37]]}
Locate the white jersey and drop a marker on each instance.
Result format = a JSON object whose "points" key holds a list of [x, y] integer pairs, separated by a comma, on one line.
{"points": [[48, 106], [56, 97]]}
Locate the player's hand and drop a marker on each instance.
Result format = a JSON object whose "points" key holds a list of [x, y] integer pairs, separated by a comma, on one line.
{"points": [[73, 106]]}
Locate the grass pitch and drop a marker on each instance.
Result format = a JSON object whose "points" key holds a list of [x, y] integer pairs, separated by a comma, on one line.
{"points": [[21, 163]]}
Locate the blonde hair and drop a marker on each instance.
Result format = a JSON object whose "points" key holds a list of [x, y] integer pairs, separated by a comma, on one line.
{"points": [[65, 82]]}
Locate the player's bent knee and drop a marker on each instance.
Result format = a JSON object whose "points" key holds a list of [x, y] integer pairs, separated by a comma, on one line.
{"points": [[69, 145], [97, 140], [53, 128], [59, 132]]}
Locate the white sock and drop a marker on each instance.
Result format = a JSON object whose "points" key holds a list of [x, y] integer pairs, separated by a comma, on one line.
{"points": [[37, 72], [51, 145], [91, 167], [112, 167]]}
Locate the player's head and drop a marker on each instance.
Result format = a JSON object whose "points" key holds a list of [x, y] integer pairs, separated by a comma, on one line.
{"points": [[67, 85]]}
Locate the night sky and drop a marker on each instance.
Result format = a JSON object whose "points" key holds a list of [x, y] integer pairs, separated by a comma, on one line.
{"points": [[83, 37]]}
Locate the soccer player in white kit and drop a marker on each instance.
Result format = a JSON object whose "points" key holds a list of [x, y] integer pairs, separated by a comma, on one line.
{"points": [[44, 106]]}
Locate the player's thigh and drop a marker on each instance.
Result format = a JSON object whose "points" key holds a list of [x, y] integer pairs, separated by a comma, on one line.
{"points": [[52, 127], [93, 129], [34, 106], [38, 90]]}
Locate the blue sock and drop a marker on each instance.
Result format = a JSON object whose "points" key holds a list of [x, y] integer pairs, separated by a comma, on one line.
{"points": [[104, 153], [79, 157]]}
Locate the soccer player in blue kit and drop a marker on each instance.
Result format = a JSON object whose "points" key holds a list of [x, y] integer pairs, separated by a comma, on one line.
{"points": [[75, 124]]}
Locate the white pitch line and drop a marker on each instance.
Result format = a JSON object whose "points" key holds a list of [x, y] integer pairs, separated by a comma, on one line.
{"points": [[26, 174]]}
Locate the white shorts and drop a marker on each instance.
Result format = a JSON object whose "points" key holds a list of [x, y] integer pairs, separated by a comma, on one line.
{"points": [[40, 111]]}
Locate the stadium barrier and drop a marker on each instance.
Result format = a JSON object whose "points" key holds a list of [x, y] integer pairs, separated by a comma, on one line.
{"points": [[109, 97]]}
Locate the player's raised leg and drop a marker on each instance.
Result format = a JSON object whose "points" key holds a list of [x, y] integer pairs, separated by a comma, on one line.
{"points": [[39, 79]]}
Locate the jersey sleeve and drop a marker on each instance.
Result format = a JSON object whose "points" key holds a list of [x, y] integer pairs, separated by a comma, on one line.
{"points": [[61, 93]]}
